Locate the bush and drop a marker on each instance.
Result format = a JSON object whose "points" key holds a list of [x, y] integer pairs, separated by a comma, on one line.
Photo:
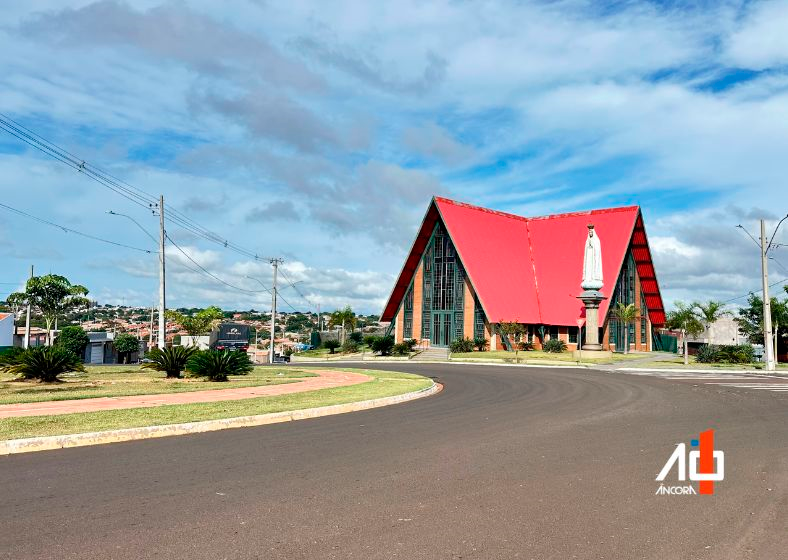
{"points": [[525, 345], [401, 349], [461, 345], [554, 346], [370, 340], [383, 345], [125, 344], [43, 362], [331, 345], [216, 365], [171, 360], [356, 337], [411, 343], [9, 355], [708, 354], [73, 339], [350, 346], [481, 344]]}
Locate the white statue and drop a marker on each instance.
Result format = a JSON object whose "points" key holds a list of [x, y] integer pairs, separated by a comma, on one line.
{"points": [[592, 262]]}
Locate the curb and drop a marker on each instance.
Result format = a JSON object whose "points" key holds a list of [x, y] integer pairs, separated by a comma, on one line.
{"points": [[460, 362], [48, 443], [703, 370]]}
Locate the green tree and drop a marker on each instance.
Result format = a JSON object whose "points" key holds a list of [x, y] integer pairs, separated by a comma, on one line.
{"points": [[42, 362], [52, 295], [198, 323], [626, 314], [125, 344], [331, 345], [74, 339], [684, 318], [750, 318], [709, 312], [343, 318], [512, 330]]}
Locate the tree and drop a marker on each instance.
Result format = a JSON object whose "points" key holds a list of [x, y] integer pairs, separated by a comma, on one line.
{"points": [[344, 318], [52, 295], [750, 318], [125, 344], [709, 312], [626, 314], [198, 323], [73, 339], [383, 345], [171, 360], [684, 319], [331, 345], [512, 331]]}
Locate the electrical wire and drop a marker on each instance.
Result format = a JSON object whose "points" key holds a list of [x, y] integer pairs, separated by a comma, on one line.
{"points": [[212, 275], [753, 291], [292, 285], [123, 188], [70, 230]]}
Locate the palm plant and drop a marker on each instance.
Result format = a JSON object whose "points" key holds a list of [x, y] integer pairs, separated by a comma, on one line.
{"points": [[216, 365], [344, 318], [626, 314], [709, 312], [43, 362], [171, 360], [684, 319]]}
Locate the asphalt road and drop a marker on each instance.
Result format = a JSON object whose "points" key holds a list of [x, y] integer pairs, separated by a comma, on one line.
{"points": [[504, 463]]}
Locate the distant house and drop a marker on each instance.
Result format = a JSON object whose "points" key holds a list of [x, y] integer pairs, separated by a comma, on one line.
{"points": [[6, 329], [38, 336], [724, 330]]}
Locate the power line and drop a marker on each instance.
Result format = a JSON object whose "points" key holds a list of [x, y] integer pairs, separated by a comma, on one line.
{"points": [[292, 285], [70, 230], [123, 188], [753, 291], [206, 271]]}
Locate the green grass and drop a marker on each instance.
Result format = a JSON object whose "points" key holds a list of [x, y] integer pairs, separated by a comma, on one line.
{"points": [[536, 355], [383, 384], [117, 381]]}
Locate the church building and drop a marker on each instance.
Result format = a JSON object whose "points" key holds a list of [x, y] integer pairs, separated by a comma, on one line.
{"points": [[471, 268]]}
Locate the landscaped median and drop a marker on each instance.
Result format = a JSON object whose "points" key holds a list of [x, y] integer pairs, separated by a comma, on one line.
{"points": [[367, 392]]}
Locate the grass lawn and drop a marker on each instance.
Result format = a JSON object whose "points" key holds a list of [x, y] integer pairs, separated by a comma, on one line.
{"points": [[529, 355], [383, 384], [678, 362], [116, 381]]}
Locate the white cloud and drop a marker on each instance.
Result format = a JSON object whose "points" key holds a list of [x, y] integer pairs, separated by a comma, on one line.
{"points": [[761, 40]]}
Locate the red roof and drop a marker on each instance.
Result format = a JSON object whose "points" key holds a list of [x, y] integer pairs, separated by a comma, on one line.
{"points": [[529, 269]]}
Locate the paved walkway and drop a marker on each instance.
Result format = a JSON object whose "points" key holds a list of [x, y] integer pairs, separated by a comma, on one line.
{"points": [[325, 379]]}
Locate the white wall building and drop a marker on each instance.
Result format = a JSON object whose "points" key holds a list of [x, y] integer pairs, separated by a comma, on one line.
{"points": [[6, 329]]}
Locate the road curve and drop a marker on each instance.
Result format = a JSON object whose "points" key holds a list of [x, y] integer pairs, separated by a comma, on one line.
{"points": [[503, 463]]}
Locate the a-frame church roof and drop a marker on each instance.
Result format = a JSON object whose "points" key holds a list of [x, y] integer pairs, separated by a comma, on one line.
{"points": [[529, 269]]}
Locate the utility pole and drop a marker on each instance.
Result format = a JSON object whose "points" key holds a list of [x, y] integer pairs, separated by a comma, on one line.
{"points": [[162, 303], [150, 330], [27, 319], [768, 346], [275, 263]]}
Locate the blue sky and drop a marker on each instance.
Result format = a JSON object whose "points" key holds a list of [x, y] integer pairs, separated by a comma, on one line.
{"points": [[319, 133]]}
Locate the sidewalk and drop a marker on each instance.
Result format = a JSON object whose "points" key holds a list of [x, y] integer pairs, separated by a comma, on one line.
{"points": [[325, 379]]}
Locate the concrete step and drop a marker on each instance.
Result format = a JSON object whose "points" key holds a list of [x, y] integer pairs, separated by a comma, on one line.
{"points": [[432, 354]]}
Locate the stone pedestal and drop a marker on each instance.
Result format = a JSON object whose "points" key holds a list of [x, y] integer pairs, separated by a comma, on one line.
{"points": [[591, 299]]}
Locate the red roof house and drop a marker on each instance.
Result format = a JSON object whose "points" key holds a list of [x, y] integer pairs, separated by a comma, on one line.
{"points": [[471, 268]]}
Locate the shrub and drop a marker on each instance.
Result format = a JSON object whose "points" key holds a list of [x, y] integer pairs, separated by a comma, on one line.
{"points": [[737, 353], [356, 337], [216, 365], [171, 360], [125, 344], [74, 339], [481, 344], [370, 340], [401, 349], [554, 345], [350, 346], [43, 362], [525, 345], [383, 345], [708, 354], [461, 345], [410, 343], [331, 345], [9, 355]]}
